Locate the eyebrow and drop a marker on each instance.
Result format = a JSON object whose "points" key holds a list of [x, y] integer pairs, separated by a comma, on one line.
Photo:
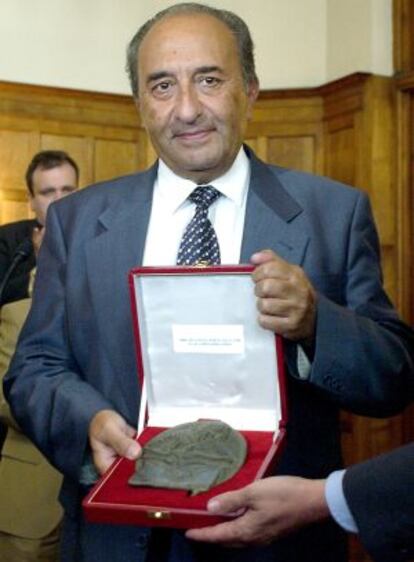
{"points": [[53, 188], [165, 74], [158, 75]]}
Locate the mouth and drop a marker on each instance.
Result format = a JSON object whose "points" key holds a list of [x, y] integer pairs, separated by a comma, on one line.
{"points": [[198, 135]]}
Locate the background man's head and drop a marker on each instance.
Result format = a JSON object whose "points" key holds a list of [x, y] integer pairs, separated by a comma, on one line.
{"points": [[51, 175], [193, 77]]}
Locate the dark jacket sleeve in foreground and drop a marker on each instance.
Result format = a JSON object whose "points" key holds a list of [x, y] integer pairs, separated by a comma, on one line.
{"points": [[380, 494]]}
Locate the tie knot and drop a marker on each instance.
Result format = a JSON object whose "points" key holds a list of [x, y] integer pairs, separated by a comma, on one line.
{"points": [[204, 195]]}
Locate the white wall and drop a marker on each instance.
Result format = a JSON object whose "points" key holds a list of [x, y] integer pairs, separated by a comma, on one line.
{"points": [[359, 37], [299, 43]]}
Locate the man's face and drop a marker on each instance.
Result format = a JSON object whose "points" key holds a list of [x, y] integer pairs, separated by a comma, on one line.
{"points": [[51, 185], [192, 98]]}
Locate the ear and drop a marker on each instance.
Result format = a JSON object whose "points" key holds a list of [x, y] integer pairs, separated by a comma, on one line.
{"points": [[252, 93], [137, 104], [31, 202]]}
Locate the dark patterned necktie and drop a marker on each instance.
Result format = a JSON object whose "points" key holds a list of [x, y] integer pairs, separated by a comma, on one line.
{"points": [[199, 243]]}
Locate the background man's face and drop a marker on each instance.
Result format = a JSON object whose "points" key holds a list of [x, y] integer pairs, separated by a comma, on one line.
{"points": [[192, 98], [51, 185]]}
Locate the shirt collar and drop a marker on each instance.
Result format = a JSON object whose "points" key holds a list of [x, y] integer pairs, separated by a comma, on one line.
{"points": [[174, 190]]}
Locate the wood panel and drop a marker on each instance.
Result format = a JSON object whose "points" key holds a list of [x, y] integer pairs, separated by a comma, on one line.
{"points": [[405, 209], [403, 24], [101, 132], [80, 148], [340, 152], [115, 158], [16, 148]]}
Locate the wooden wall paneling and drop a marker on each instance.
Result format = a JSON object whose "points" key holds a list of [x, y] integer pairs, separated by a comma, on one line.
{"points": [[340, 151], [292, 152], [102, 132], [377, 165], [403, 27], [286, 129], [405, 210], [80, 148], [343, 104], [13, 207], [114, 158], [405, 195], [16, 148], [67, 106]]}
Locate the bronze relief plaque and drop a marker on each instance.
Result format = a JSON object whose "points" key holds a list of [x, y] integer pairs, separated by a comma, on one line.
{"points": [[192, 456]]}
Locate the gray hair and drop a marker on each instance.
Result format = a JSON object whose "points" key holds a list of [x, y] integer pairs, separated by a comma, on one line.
{"points": [[236, 25]]}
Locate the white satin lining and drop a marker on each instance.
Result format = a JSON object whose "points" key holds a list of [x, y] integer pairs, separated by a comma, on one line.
{"points": [[240, 389]]}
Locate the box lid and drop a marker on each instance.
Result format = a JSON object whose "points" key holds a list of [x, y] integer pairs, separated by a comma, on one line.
{"points": [[201, 352]]}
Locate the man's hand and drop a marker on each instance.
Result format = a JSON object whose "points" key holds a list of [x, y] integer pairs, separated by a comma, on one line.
{"points": [[37, 238], [273, 507], [110, 436], [285, 297]]}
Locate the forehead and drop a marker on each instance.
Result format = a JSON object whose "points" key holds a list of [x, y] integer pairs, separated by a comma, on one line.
{"points": [[194, 39], [58, 176]]}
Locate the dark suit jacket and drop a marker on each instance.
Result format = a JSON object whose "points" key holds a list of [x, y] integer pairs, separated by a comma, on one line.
{"points": [[81, 321], [11, 236], [380, 494]]}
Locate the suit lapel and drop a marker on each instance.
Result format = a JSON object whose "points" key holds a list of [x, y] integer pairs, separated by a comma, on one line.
{"points": [[271, 217], [118, 248]]}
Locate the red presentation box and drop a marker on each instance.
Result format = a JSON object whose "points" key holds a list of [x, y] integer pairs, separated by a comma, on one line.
{"points": [[201, 354]]}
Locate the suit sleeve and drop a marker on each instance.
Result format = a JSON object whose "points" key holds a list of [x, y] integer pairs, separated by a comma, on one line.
{"points": [[364, 355], [380, 494], [49, 398]]}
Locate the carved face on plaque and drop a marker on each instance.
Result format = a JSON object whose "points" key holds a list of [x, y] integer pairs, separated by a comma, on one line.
{"points": [[193, 456]]}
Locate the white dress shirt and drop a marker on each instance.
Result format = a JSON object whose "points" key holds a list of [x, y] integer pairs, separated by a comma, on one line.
{"points": [[172, 210]]}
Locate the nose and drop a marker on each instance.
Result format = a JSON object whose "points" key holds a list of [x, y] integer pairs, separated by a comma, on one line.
{"points": [[59, 193], [188, 105]]}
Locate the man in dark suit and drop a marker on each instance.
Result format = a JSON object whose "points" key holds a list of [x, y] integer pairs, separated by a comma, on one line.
{"points": [[374, 499], [319, 286], [51, 174]]}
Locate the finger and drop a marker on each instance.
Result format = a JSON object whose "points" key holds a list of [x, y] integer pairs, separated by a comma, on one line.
{"points": [[279, 325], [103, 459], [275, 268], [131, 431], [124, 445], [262, 257], [228, 502], [225, 533], [104, 454], [109, 429], [273, 287]]}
